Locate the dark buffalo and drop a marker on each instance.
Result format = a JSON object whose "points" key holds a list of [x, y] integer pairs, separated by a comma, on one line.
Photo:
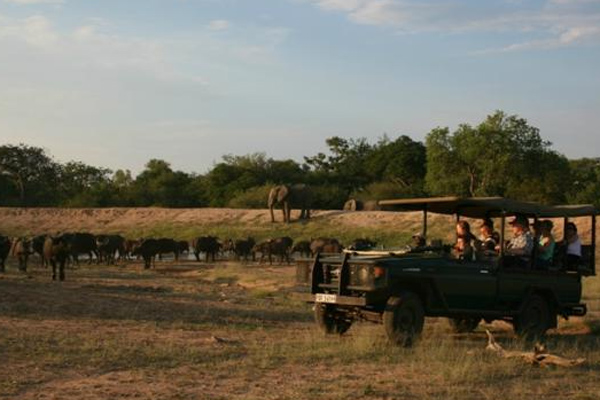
{"points": [[326, 245], [362, 244], [107, 247], [81, 243], [206, 244], [37, 245], [242, 248], [21, 250], [183, 246], [274, 247], [56, 252], [5, 245], [167, 246], [129, 246], [302, 247], [148, 249]]}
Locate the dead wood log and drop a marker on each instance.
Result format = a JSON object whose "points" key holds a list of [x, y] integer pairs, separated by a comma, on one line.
{"points": [[538, 357]]}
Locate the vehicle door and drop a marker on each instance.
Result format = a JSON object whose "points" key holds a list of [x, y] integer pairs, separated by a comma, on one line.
{"points": [[468, 285]]}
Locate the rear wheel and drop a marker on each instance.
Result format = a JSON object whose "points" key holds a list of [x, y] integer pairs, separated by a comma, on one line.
{"points": [[464, 325], [534, 319], [403, 319], [331, 321]]}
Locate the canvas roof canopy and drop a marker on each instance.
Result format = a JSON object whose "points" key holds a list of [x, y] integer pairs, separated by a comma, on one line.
{"points": [[485, 207]]}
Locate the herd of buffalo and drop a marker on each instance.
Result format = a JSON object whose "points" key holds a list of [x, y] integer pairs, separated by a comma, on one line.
{"points": [[57, 250]]}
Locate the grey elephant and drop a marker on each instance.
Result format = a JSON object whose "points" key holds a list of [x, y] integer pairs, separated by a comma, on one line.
{"points": [[288, 197]]}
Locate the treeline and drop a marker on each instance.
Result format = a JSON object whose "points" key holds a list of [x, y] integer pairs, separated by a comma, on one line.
{"points": [[501, 156]]}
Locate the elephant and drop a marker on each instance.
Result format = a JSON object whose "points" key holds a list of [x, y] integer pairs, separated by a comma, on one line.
{"points": [[290, 196]]}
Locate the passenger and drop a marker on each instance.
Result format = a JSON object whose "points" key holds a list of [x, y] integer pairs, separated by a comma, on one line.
{"points": [[487, 238], [520, 246], [573, 245], [546, 244], [418, 241], [464, 241]]}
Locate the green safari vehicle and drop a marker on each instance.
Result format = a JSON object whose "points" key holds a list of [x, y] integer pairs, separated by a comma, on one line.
{"points": [[399, 288]]}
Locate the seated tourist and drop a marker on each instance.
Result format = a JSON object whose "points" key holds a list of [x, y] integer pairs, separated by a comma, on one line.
{"points": [[519, 248], [487, 238], [464, 241], [573, 245], [546, 244]]}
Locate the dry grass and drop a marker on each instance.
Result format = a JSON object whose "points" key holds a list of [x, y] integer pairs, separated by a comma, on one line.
{"points": [[122, 332]]}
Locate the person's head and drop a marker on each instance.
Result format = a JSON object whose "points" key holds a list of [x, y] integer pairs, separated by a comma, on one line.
{"points": [[463, 229], [487, 227], [570, 229], [418, 240], [519, 224], [546, 227]]}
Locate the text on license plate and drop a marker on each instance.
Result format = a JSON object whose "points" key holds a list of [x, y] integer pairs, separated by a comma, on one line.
{"points": [[325, 298]]}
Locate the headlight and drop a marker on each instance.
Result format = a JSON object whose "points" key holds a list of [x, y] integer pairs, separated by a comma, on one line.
{"points": [[361, 275]]}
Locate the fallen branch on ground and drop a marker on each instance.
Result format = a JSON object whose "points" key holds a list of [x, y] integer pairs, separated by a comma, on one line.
{"points": [[539, 357]]}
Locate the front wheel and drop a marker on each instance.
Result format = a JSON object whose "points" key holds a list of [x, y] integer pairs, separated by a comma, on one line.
{"points": [[534, 319], [330, 321], [403, 319]]}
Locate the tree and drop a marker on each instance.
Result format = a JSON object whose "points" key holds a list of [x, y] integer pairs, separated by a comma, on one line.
{"points": [[585, 175], [84, 185], [502, 156], [32, 173], [159, 185], [402, 162]]}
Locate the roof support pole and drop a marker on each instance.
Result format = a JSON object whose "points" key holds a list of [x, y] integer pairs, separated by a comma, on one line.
{"points": [[593, 258], [425, 222]]}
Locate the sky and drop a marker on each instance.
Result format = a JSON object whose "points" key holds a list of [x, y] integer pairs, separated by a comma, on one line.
{"points": [[114, 83]]}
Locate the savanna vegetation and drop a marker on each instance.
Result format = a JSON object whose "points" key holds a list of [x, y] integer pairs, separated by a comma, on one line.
{"points": [[192, 330], [502, 156]]}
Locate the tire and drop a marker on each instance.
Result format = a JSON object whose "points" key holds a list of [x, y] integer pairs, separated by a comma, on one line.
{"points": [[464, 325], [403, 319], [329, 321], [534, 319]]}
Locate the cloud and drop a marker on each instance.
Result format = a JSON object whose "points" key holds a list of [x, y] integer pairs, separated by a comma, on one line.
{"points": [[551, 24], [219, 25], [31, 2]]}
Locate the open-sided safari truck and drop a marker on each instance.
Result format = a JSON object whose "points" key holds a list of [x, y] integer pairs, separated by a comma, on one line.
{"points": [[399, 288]]}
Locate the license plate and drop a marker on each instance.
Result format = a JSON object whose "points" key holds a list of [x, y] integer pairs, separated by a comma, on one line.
{"points": [[325, 298]]}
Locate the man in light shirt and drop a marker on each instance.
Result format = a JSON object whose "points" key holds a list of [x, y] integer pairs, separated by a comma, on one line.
{"points": [[522, 242]]}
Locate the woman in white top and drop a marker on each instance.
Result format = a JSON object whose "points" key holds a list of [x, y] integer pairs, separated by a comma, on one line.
{"points": [[573, 245]]}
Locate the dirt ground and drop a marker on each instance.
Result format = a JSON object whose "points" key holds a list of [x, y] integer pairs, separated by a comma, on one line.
{"points": [[225, 330]]}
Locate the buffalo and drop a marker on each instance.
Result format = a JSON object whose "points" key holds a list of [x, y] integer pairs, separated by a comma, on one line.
{"points": [[362, 244], [279, 247], [242, 248], [302, 247], [107, 247], [183, 246], [147, 249], [81, 243], [166, 246], [21, 250], [5, 245], [325, 245], [37, 245], [56, 252], [206, 244]]}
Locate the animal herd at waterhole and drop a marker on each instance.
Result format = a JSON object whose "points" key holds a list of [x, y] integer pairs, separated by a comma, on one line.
{"points": [[58, 251]]}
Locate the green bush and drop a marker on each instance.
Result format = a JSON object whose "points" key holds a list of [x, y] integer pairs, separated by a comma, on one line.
{"points": [[386, 190], [255, 197]]}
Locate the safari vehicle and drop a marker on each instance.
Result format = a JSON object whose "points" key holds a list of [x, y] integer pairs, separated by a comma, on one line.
{"points": [[399, 288]]}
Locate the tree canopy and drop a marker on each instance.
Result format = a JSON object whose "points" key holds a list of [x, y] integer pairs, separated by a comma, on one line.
{"points": [[501, 156]]}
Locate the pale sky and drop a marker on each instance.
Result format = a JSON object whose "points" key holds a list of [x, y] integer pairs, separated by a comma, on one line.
{"points": [[114, 83]]}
